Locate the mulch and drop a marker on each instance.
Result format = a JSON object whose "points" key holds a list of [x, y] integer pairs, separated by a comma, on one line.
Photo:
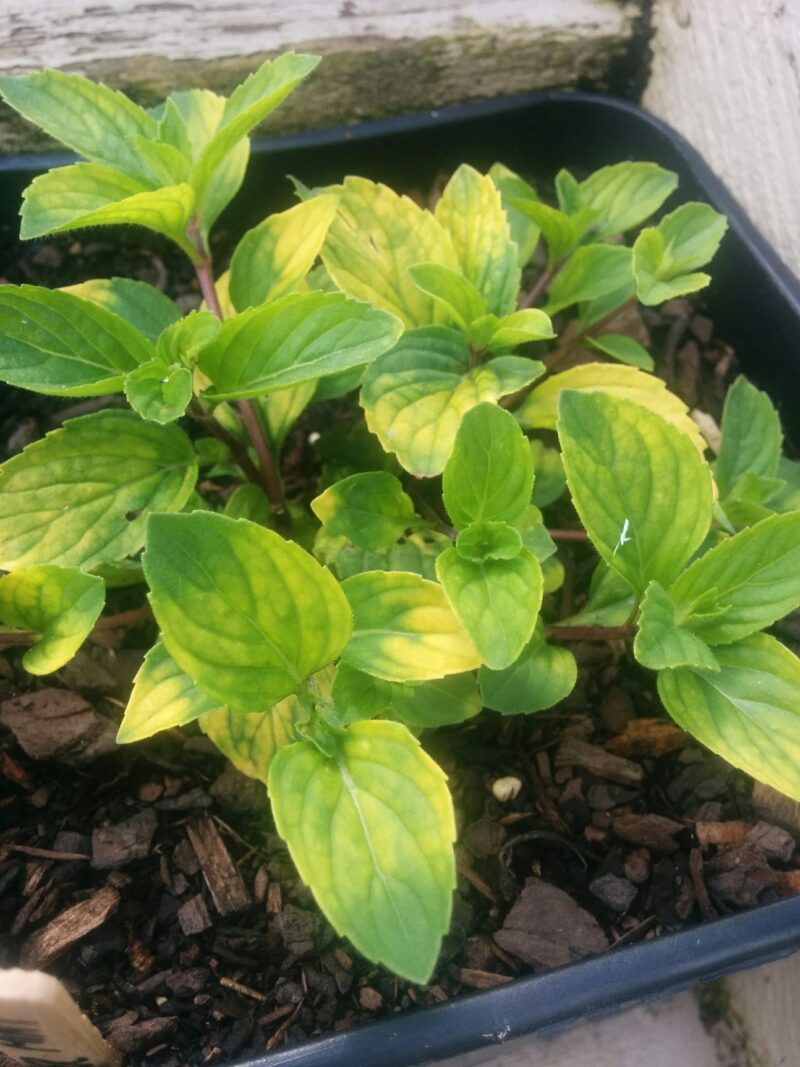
{"points": [[151, 881]]}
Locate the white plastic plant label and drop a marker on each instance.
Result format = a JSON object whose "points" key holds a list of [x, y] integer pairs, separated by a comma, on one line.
{"points": [[42, 1026]]}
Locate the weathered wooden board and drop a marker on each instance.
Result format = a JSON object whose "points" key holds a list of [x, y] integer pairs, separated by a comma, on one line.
{"points": [[383, 57], [726, 74]]}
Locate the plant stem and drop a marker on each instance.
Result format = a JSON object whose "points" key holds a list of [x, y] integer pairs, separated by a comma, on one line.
{"points": [[533, 294], [205, 276], [108, 622], [589, 633], [569, 535], [267, 476], [569, 346], [270, 478]]}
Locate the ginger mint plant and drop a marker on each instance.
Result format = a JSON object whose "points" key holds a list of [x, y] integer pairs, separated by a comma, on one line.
{"points": [[313, 639]]}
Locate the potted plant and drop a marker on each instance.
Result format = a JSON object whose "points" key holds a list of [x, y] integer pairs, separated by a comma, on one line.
{"points": [[315, 671]]}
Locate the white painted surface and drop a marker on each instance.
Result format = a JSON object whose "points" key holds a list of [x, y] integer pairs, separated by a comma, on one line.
{"points": [[62, 33], [726, 74], [666, 1034], [765, 1001]]}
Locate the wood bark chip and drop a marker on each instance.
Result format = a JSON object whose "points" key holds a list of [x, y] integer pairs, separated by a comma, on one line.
{"points": [[116, 846], [647, 737], [481, 979], [47, 944], [740, 876], [224, 882], [546, 928], [776, 808], [58, 724], [655, 832], [576, 753], [193, 916]]}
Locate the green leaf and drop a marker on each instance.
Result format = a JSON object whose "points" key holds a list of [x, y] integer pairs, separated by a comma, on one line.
{"points": [[561, 232], [489, 540], [249, 501], [57, 343], [271, 259], [358, 696], [80, 495], [295, 339], [96, 122], [163, 696], [625, 194], [524, 232], [691, 234], [251, 740], [520, 328], [641, 489], [89, 194], [183, 341], [553, 574], [623, 348], [497, 601], [751, 436], [539, 410], [373, 240], [662, 640], [440, 702], [166, 164], [743, 584], [371, 832], [489, 475], [248, 615], [369, 509], [543, 675], [247, 106], [282, 409], [549, 480], [451, 291], [60, 604], [159, 393], [666, 256], [471, 211], [534, 535], [404, 630], [611, 600], [591, 272], [415, 396], [746, 712], [788, 498], [146, 309], [568, 192], [190, 119], [189, 123]]}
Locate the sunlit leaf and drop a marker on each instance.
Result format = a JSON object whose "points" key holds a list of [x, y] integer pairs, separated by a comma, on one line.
{"points": [[60, 604], [80, 496], [248, 615], [371, 833], [404, 630]]}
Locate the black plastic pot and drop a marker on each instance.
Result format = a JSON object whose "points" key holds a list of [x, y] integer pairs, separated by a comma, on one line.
{"points": [[755, 302]]}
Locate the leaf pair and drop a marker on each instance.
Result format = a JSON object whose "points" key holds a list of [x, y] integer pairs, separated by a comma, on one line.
{"points": [[613, 200], [666, 257], [753, 478], [645, 496], [161, 172], [415, 395], [249, 617], [493, 582]]}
